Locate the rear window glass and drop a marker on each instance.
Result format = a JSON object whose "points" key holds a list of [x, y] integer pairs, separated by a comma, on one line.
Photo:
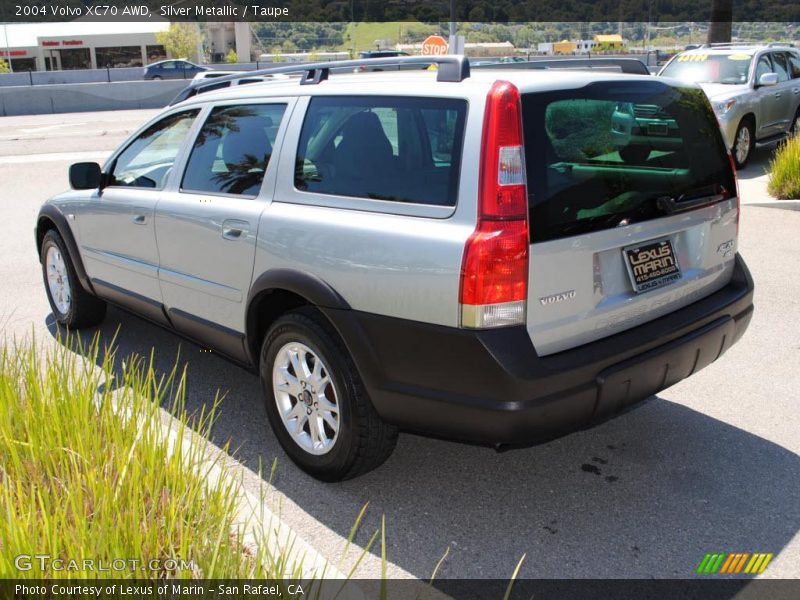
{"points": [[397, 149], [233, 149], [608, 155]]}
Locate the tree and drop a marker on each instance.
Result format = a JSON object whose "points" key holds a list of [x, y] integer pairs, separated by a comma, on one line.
{"points": [[232, 58], [180, 40], [719, 30], [4, 68]]}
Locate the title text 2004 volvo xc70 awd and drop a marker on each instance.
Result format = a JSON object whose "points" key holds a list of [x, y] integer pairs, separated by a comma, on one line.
{"points": [[460, 255]]}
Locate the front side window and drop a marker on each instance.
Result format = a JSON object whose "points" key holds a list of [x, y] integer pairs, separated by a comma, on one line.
{"points": [[382, 148], [232, 150], [147, 161], [612, 154], [763, 67]]}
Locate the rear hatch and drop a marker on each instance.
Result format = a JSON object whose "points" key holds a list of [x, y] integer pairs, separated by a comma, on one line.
{"points": [[633, 208]]}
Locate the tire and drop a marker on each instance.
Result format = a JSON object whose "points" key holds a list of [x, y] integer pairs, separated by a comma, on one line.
{"points": [[361, 441], [634, 154], [743, 143], [794, 130], [72, 306], [157, 78]]}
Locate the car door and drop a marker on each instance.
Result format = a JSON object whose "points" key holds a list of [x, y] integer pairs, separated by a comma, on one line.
{"points": [[768, 119], [794, 71], [169, 70], [116, 224], [786, 90], [206, 226], [784, 102]]}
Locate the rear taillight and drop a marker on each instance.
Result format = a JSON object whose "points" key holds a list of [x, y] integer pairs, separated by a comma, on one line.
{"points": [[494, 274]]}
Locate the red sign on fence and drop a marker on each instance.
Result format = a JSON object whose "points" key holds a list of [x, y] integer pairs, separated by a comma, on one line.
{"points": [[434, 45]]}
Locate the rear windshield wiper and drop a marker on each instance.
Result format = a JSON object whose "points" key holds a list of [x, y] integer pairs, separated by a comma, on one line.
{"points": [[684, 202]]}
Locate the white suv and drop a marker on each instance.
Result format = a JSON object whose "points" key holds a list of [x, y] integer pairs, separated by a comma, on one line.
{"points": [[754, 90], [460, 255]]}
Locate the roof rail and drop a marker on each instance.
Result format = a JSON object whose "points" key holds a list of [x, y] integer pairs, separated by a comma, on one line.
{"points": [[452, 68], [780, 45], [632, 66]]}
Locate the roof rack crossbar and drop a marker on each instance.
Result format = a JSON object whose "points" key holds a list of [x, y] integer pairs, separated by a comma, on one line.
{"points": [[632, 66], [451, 68]]}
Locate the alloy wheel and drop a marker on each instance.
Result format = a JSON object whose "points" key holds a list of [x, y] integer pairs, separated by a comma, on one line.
{"points": [[306, 398]]}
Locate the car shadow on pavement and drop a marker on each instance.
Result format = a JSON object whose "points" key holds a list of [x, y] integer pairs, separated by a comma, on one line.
{"points": [[645, 495], [758, 164]]}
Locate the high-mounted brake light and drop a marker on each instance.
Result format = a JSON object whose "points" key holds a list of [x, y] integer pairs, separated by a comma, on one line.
{"points": [[494, 274]]}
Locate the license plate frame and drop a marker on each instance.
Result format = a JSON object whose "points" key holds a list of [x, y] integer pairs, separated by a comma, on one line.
{"points": [[660, 129], [652, 264]]}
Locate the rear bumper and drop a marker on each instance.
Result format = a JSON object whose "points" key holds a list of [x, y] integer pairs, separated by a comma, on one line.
{"points": [[492, 387]]}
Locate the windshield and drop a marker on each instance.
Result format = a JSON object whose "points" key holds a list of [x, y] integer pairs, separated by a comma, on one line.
{"points": [[608, 155], [733, 68]]}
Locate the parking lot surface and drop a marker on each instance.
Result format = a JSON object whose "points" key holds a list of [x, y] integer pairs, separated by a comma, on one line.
{"points": [[709, 465]]}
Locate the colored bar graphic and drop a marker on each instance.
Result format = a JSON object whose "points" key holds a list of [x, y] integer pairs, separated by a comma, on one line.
{"points": [[728, 563], [701, 568], [741, 562], [716, 564]]}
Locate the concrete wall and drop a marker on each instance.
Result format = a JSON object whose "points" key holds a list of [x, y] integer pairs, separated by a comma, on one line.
{"points": [[76, 76], [105, 75], [81, 97]]}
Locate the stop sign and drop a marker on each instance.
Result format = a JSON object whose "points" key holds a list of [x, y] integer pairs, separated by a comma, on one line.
{"points": [[434, 45]]}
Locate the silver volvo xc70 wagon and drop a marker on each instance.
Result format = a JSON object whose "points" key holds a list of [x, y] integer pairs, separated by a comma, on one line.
{"points": [[461, 255]]}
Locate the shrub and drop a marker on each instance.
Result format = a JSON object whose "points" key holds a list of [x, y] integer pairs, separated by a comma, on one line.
{"points": [[89, 469], [784, 181], [232, 57]]}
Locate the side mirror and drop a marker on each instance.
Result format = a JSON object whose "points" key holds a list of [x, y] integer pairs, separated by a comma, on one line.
{"points": [[85, 176], [768, 79]]}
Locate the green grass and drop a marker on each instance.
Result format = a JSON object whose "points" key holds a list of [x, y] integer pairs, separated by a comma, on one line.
{"points": [[362, 36], [87, 471], [784, 179]]}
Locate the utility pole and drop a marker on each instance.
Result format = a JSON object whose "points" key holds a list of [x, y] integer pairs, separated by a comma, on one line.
{"points": [[452, 39], [8, 45]]}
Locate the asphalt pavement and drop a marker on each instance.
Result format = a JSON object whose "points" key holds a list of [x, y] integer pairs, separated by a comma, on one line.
{"points": [[709, 465]]}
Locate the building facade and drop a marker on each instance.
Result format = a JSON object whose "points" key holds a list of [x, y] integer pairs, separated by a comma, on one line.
{"points": [[93, 45]]}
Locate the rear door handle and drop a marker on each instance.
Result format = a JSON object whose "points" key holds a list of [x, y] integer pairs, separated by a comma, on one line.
{"points": [[140, 219], [234, 229]]}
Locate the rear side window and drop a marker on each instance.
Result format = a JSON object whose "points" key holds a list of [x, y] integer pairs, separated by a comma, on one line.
{"points": [[781, 66], [232, 150], [608, 155], [794, 65], [382, 148]]}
